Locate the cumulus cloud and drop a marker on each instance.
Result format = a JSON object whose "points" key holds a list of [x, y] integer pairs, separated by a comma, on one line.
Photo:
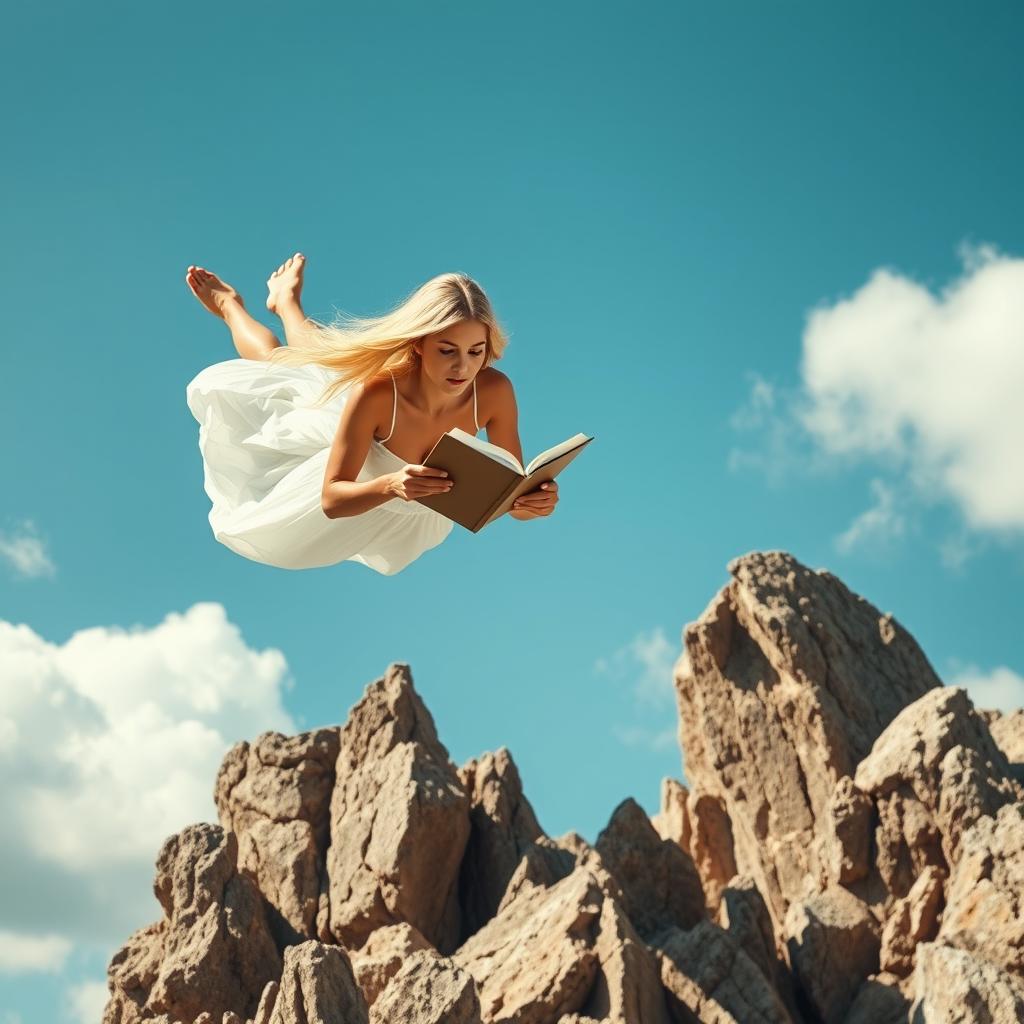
{"points": [[20, 953], [24, 550], [1000, 689], [109, 743], [934, 380], [926, 385]]}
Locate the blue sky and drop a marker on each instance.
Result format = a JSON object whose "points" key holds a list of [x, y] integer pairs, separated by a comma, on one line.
{"points": [[771, 257]]}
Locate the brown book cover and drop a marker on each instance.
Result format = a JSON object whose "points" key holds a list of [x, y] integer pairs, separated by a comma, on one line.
{"points": [[485, 484]]}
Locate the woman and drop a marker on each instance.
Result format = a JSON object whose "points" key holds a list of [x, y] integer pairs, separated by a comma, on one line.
{"points": [[312, 451]]}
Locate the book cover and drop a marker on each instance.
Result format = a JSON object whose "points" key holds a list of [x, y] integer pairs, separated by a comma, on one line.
{"points": [[487, 479]]}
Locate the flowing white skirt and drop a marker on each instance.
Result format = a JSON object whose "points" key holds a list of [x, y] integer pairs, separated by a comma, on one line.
{"points": [[264, 454]]}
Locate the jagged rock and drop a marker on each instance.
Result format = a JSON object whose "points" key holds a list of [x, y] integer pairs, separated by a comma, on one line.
{"points": [[913, 919], [745, 917], [953, 987], [938, 754], [383, 954], [711, 846], [317, 984], [213, 950], [399, 820], [786, 681], [274, 795], [132, 973], [855, 825], [543, 863], [503, 827], [985, 897], [672, 822], [1007, 730], [536, 960], [428, 989], [659, 883], [547, 861], [845, 837], [627, 988], [708, 977], [833, 945], [267, 1000], [879, 1001]]}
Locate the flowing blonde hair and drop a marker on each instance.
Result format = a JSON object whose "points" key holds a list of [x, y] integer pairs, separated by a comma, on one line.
{"points": [[361, 349]]}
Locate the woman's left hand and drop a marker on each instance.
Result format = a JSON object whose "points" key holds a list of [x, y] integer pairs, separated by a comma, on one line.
{"points": [[540, 502]]}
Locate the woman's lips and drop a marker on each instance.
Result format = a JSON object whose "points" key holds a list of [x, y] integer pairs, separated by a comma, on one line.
{"points": [[456, 380]]}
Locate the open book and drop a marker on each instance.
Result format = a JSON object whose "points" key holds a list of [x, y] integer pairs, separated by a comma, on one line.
{"points": [[487, 479]]}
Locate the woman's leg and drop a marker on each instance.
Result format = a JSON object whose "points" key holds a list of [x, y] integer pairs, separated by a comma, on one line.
{"points": [[284, 297], [252, 339]]}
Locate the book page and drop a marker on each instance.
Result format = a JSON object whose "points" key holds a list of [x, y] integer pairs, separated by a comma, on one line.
{"points": [[499, 454], [553, 453]]}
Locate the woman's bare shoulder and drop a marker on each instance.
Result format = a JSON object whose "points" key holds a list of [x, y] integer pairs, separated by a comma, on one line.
{"points": [[497, 397], [493, 380], [374, 399]]}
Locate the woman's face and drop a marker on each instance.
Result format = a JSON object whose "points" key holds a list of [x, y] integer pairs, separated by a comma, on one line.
{"points": [[453, 357]]}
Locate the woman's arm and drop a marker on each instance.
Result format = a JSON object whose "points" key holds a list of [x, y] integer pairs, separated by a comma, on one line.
{"points": [[503, 430], [342, 495]]}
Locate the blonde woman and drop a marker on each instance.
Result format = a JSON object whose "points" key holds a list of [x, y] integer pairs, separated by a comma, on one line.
{"points": [[313, 450]]}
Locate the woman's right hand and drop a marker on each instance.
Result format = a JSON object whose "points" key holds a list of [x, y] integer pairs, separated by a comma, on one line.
{"points": [[413, 481]]}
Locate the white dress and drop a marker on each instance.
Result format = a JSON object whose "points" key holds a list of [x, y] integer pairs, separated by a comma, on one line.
{"points": [[265, 450]]}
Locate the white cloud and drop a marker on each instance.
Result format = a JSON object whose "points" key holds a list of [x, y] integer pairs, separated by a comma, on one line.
{"points": [[647, 662], [85, 1002], [1000, 689], [876, 525], [109, 743], [24, 952], [25, 551], [933, 381], [924, 385]]}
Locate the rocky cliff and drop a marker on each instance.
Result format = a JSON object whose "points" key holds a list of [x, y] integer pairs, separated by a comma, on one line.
{"points": [[850, 849]]}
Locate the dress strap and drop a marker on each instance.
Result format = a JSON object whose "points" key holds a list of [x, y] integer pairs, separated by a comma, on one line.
{"points": [[475, 420], [394, 412]]}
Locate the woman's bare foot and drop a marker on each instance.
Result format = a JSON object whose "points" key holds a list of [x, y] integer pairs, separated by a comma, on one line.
{"points": [[211, 291], [284, 286]]}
